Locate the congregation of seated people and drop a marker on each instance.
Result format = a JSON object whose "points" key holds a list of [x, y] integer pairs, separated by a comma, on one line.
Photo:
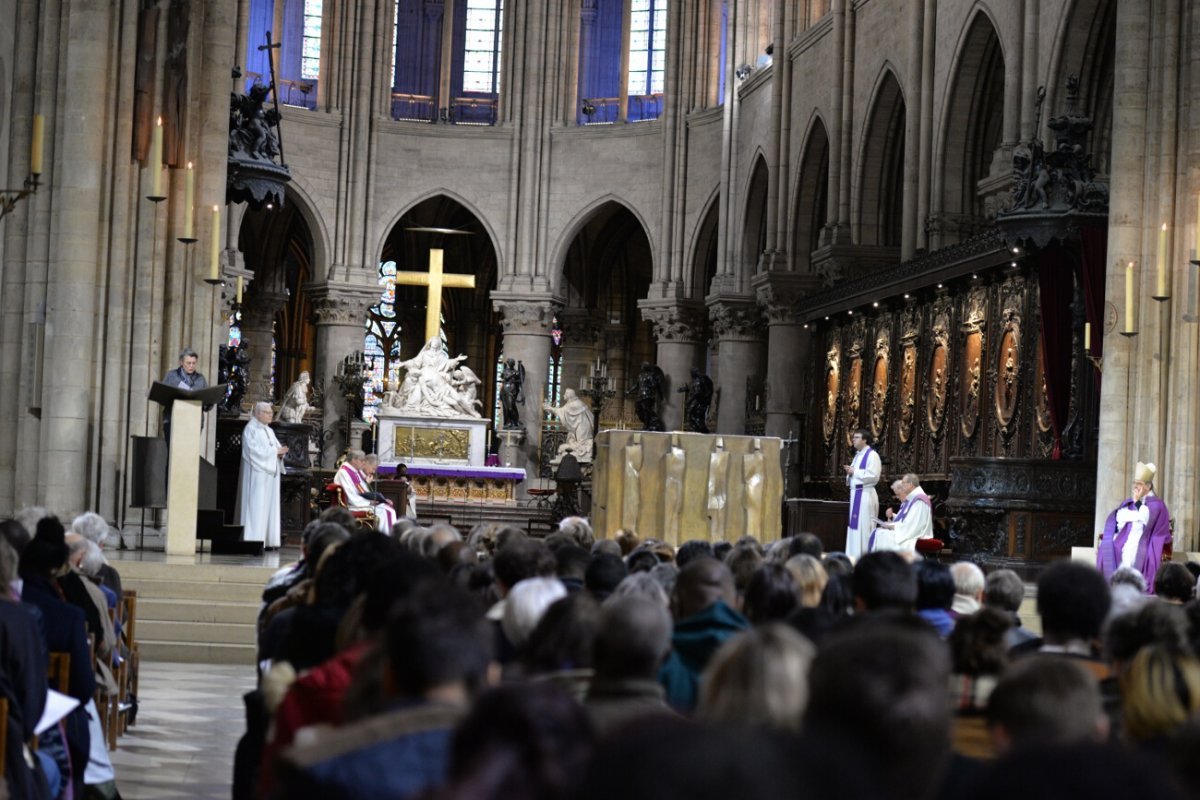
{"points": [[58, 596], [426, 664]]}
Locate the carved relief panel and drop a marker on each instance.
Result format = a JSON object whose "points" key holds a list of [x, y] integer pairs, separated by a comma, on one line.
{"points": [[880, 383], [909, 338], [971, 386], [1007, 390], [939, 369], [857, 333], [833, 385]]}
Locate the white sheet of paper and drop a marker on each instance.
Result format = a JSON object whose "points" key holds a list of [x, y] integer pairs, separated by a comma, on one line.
{"points": [[58, 705]]}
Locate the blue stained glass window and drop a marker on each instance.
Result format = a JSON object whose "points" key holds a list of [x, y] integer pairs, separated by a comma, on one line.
{"points": [[481, 51], [381, 343], [310, 51], [647, 46]]}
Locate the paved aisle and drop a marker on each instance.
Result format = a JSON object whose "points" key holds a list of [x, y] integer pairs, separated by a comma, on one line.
{"points": [[189, 720]]}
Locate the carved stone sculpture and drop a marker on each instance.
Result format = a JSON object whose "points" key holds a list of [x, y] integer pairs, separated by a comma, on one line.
{"points": [[674, 468], [698, 397], [435, 385], [512, 382], [631, 494], [580, 425], [295, 401], [718, 490], [753, 471], [649, 386]]}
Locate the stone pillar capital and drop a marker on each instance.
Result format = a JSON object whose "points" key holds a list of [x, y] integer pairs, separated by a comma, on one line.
{"points": [[581, 326], [260, 308], [676, 322], [736, 319], [340, 303], [779, 294], [526, 315]]}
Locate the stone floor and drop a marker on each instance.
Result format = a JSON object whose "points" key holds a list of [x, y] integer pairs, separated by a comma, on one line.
{"points": [[190, 718]]}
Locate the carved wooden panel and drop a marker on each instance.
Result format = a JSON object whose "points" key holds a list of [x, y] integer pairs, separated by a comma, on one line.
{"points": [[853, 395], [1008, 361], [939, 367], [833, 384], [880, 383], [971, 386]]}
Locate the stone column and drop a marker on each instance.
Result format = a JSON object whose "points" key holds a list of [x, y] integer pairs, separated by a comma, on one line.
{"points": [[679, 331], [738, 327], [581, 344], [788, 347], [258, 331], [339, 311], [526, 326]]}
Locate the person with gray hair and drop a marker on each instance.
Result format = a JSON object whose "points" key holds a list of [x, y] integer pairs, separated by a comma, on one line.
{"points": [[186, 377], [94, 528], [1128, 576], [440, 535], [357, 494], [579, 529], [913, 521], [257, 509], [633, 638], [641, 585], [968, 588], [1003, 589]]}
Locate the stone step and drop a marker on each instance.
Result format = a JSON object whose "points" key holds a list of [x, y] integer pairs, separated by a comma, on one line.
{"points": [[174, 589], [195, 652], [196, 632], [223, 573], [181, 610]]}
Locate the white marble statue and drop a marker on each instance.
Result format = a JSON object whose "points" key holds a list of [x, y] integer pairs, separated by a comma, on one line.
{"points": [[435, 385], [579, 423], [295, 402]]}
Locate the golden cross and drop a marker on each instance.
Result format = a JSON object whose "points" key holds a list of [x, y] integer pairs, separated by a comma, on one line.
{"points": [[435, 279]]}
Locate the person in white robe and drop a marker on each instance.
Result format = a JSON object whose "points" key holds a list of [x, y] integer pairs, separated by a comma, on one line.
{"points": [[862, 473], [913, 521], [257, 508], [351, 477]]}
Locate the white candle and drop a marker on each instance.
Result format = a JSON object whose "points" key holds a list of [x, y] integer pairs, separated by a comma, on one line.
{"points": [[1160, 287], [1087, 337], [189, 198], [35, 144], [155, 165], [214, 271], [239, 290], [1129, 298]]}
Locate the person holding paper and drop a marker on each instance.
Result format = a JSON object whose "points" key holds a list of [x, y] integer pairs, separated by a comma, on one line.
{"points": [[913, 521], [862, 473], [185, 376], [352, 479]]}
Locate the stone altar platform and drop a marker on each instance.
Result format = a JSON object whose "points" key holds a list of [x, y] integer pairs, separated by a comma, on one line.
{"points": [[431, 441], [681, 486], [449, 484]]}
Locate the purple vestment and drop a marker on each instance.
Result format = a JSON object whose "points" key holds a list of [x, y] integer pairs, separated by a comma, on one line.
{"points": [[1150, 548]]}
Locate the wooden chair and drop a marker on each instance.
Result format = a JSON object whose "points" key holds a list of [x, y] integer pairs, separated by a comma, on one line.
{"points": [[60, 671], [127, 671], [363, 517], [970, 737]]}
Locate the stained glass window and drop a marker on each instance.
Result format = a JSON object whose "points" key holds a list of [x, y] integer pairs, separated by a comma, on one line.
{"points": [[481, 52], [381, 344], [310, 56], [647, 46]]}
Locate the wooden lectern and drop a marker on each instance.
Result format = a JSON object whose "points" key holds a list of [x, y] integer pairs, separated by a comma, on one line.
{"points": [[183, 472]]}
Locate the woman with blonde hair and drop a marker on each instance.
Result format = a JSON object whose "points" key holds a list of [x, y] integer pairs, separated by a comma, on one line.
{"points": [[759, 678], [1160, 692], [810, 577]]}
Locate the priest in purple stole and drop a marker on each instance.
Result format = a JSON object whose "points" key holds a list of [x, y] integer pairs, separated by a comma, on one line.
{"points": [[862, 473], [1136, 533]]}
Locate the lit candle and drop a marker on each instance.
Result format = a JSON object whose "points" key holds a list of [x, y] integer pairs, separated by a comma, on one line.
{"points": [[1087, 337], [214, 266], [35, 146], [1160, 289], [1129, 298], [156, 144], [189, 196], [239, 290]]}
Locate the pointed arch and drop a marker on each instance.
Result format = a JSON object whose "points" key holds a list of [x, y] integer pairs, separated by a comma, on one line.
{"points": [[754, 224], [971, 130], [567, 238], [1085, 45], [298, 194], [486, 225], [880, 173], [810, 210]]}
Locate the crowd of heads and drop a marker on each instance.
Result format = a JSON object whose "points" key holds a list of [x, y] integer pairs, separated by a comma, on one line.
{"points": [[696, 667]]}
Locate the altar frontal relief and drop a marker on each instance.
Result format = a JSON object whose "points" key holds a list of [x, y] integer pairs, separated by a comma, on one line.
{"points": [[687, 486]]}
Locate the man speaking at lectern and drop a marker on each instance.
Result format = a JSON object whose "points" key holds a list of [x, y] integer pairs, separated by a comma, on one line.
{"points": [[185, 376]]}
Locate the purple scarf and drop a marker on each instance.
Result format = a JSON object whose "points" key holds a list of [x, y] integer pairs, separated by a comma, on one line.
{"points": [[857, 502]]}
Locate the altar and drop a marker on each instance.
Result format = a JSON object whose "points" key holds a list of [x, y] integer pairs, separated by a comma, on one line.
{"points": [[431, 441]]}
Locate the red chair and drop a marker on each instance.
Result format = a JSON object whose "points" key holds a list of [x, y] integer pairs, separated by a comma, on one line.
{"points": [[930, 548], [363, 517]]}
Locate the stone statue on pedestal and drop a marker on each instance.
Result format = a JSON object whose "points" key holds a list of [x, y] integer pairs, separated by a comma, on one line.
{"points": [[295, 402], [435, 385], [649, 386], [512, 382], [580, 424], [698, 397]]}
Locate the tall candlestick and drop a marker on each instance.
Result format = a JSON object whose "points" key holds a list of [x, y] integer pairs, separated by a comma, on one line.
{"points": [[155, 165], [239, 290], [1160, 286], [189, 197], [1129, 298], [1087, 337], [214, 264], [35, 145]]}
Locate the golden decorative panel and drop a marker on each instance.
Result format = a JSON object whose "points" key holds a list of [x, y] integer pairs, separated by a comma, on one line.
{"points": [[448, 444]]}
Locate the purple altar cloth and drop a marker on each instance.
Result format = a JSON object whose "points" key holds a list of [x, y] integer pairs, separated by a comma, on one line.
{"points": [[475, 473]]}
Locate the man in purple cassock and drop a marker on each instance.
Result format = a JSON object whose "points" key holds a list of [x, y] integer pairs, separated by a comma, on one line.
{"points": [[1136, 533]]}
